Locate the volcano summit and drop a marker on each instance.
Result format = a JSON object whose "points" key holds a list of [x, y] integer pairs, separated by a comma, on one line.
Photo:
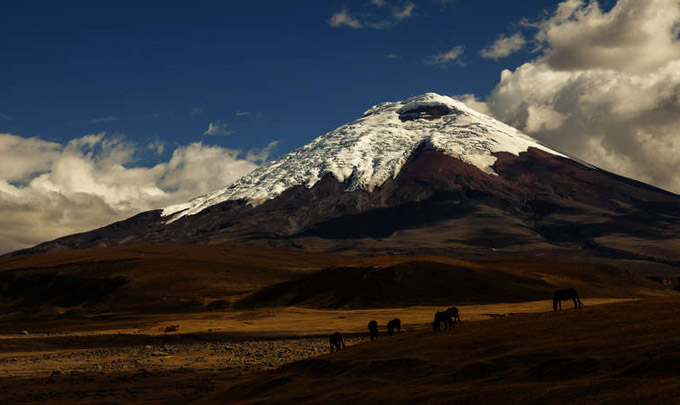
{"points": [[427, 175], [369, 151]]}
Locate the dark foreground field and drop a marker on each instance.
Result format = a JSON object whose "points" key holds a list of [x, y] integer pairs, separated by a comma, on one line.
{"points": [[624, 352], [221, 324], [617, 353]]}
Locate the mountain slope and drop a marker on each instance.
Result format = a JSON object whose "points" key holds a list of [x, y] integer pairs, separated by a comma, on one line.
{"points": [[426, 175], [369, 151]]}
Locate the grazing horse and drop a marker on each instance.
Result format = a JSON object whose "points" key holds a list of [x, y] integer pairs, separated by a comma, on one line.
{"points": [[373, 330], [336, 342], [454, 314], [392, 325], [442, 317], [566, 295]]}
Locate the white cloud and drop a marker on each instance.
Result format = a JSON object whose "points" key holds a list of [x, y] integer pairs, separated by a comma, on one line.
{"points": [[6, 117], [605, 87], [196, 111], [443, 58], [392, 56], [49, 190], [504, 46], [377, 14], [22, 157], [102, 120], [541, 118], [344, 19], [207, 167], [405, 12], [261, 155], [475, 103], [217, 128], [634, 36]]}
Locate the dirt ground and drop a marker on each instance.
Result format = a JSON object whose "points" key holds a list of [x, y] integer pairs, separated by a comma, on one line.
{"points": [[133, 360]]}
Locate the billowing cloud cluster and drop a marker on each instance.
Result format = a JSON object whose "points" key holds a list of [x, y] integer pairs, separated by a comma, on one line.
{"points": [[49, 190], [605, 87], [634, 36]]}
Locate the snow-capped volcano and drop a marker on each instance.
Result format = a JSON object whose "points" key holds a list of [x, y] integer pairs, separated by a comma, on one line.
{"points": [[374, 148], [423, 175]]}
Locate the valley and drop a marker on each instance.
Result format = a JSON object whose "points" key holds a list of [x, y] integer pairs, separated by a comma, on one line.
{"points": [[187, 322]]}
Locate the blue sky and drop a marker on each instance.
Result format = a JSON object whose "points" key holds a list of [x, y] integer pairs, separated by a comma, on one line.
{"points": [[263, 70]]}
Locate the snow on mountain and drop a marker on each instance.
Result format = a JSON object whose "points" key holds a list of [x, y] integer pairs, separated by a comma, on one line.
{"points": [[373, 149]]}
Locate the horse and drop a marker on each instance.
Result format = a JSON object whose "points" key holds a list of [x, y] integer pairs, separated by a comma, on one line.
{"points": [[566, 295], [442, 317], [373, 330], [392, 325], [454, 314], [336, 342]]}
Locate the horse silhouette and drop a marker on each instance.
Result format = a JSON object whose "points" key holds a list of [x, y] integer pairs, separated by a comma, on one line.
{"points": [[454, 314], [442, 317], [373, 330], [336, 342], [566, 295], [392, 325]]}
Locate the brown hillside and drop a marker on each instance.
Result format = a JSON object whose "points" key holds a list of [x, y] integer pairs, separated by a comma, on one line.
{"points": [[195, 278], [149, 278], [437, 281]]}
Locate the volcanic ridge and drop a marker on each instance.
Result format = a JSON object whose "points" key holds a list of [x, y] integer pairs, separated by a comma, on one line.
{"points": [[426, 175]]}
